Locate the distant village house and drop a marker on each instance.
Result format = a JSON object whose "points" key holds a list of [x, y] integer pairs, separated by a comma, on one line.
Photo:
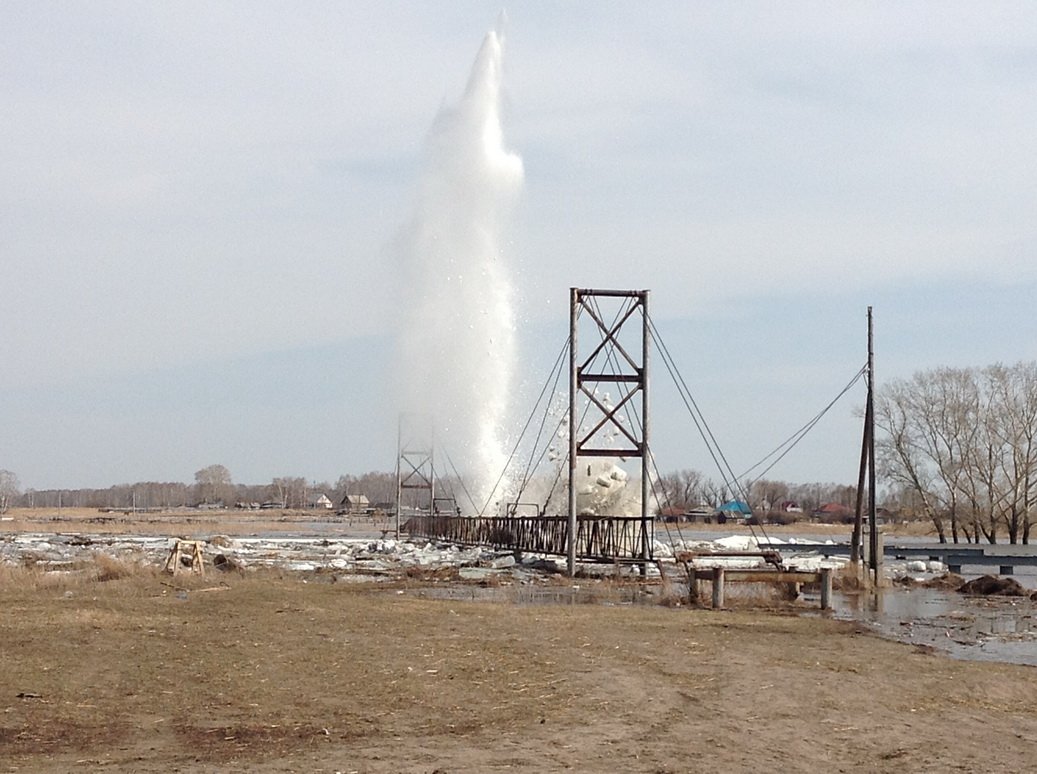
{"points": [[355, 503]]}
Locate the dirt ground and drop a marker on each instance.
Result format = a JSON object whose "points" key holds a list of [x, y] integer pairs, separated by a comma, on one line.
{"points": [[126, 669]]}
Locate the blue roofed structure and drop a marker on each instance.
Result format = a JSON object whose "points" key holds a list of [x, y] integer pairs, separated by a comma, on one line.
{"points": [[734, 508]]}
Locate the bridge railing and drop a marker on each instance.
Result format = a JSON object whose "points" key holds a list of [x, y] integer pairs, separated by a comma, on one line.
{"points": [[598, 538]]}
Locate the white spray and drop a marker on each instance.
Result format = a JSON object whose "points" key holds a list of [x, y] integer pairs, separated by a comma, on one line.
{"points": [[457, 342]]}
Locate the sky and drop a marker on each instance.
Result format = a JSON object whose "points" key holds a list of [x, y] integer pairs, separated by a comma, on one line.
{"points": [[198, 202]]}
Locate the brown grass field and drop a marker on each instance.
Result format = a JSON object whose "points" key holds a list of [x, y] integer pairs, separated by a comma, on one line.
{"points": [[121, 668], [183, 522], [234, 522]]}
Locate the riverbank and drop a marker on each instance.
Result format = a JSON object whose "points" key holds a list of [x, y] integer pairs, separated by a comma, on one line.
{"points": [[267, 671]]}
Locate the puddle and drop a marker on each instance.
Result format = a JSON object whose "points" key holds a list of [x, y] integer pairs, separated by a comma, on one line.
{"points": [[974, 628], [632, 594], [971, 628]]}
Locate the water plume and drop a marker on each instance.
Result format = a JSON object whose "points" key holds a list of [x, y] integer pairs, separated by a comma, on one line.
{"points": [[457, 344]]}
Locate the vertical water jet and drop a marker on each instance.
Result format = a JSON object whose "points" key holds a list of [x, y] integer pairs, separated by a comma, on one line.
{"points": [[456, 341]]}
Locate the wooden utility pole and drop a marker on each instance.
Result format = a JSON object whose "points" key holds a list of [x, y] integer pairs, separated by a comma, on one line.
{"points": [[574, 426], [875, 550], [858, 517], [866, 476]]}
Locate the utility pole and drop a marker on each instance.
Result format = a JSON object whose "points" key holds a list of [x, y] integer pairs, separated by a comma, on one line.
{"points": [[866, 475], [875, 550], [570, 564], [856, 542]]}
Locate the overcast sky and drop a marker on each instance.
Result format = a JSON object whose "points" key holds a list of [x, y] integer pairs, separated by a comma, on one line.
{"points": [[198, 199]]}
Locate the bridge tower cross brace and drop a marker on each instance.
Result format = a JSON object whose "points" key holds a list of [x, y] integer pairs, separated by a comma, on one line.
{"points": [[415, 468], [618, 361]]}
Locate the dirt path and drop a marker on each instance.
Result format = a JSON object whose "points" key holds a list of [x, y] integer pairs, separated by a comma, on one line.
{"points": [[292, 673]]}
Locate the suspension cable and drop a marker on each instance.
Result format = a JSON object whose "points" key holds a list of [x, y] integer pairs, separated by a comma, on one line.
{"points": [[777, 454], [708, 438], [525, 427], [726, 473], [556, 372], [789, 443], [666, 498], [460, 480]]}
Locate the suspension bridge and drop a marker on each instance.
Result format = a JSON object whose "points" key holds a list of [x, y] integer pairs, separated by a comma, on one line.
{"points": [[611, 340]]}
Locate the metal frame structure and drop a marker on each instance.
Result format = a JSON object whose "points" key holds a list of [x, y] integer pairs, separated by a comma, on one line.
{"points": [[598, 539], [608, 363], [415, 467]]}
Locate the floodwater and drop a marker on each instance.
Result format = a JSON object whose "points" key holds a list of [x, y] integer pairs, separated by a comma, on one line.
{"points": [[966, 627], [980, 628], [972, 628]]}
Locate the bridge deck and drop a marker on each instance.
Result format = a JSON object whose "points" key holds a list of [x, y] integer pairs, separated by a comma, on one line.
{"points": [[598, 538]]}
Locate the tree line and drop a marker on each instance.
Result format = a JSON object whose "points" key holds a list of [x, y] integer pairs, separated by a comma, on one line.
{"points": [[213, 485], [954, 446], [678, 491], [683, 490], [958, 446]]}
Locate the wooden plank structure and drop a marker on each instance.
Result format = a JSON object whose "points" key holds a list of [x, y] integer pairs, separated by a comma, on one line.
{"points": [[598, 538], [719, 576], [775, 573], [190, 550], [606, 539]]}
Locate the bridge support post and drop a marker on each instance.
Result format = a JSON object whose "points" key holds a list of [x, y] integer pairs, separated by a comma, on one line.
{"points": [[826, 588], [414, 461], [718, 588]]}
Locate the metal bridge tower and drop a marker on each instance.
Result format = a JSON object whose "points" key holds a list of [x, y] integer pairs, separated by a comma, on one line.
{"points": [[414, 462], [616, 359]]}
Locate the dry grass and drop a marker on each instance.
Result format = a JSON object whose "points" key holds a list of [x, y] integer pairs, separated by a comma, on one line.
{"points": [[99, 568], [849, 578], [236, 522], [183, 523], [673, 594], [111, 568], [277, 674]]}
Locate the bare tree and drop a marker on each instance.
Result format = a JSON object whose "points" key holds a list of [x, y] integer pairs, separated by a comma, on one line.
{"points": [[1011, 435], [768, 495], [682, 489], [290, 491], [8, 489], [213, 483], [279, 490], [966, 442], [377, 486]]}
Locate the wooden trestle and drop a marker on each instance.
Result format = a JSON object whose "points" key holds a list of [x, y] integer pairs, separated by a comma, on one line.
{"points": [[598, 538]]}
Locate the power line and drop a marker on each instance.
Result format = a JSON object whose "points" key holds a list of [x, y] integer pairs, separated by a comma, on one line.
{"points": [[789, 443]]}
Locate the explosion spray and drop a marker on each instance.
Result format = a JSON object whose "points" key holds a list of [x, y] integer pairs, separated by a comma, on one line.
{"points": [[457, 345]]}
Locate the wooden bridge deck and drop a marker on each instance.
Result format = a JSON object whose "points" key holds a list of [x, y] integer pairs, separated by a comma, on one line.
{"points": [[598, 538]]}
